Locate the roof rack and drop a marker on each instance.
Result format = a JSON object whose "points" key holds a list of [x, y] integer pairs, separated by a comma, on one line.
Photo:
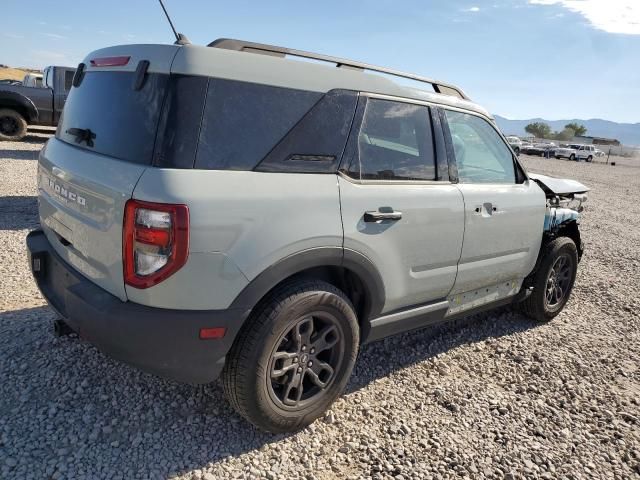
{"points": [[263, 49]]}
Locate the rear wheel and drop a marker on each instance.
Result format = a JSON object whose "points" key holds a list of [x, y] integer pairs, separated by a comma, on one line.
{"points": [[553, 281], [293, 357], [589, 158], [13, 126], [572, 157]]}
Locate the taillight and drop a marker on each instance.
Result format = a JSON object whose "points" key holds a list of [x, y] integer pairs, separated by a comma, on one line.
{"points": [[155, 241]]}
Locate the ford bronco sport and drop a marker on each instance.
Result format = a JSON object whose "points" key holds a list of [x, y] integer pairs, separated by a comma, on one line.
{"points": [[230, 210]]}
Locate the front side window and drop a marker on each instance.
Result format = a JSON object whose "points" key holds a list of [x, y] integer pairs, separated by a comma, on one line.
{"points": [[481, 154], [395, 142]]}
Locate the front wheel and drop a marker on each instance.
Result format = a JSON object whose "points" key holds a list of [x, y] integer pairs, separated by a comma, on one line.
{"points": [[13, 126], [572, 157], [589, 158], [553, 281], [293, 357]]}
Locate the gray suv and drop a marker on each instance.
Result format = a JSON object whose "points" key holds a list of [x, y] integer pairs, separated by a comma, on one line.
{"points": [[231, 210]]}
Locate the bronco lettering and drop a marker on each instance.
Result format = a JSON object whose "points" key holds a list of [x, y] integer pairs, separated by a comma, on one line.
{"points": [[64, 193]]}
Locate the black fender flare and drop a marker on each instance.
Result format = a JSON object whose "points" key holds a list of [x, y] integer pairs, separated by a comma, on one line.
{"points": [[296, 263], [12, 100]]}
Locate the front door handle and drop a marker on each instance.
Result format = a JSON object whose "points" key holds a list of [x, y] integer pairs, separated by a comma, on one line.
{"points": [[386, 215]]}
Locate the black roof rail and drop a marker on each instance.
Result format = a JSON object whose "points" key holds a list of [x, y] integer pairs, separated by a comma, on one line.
{"points": [[263, 49]]}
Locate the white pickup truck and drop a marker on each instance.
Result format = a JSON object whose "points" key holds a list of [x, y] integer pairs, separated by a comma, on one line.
{"points": [[576, 152]]}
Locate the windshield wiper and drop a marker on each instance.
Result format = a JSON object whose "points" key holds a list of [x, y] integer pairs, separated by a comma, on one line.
{"points": [[82, 135]]}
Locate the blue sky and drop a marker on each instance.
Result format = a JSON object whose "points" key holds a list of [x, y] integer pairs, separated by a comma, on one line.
{"points": [[518, 58]]}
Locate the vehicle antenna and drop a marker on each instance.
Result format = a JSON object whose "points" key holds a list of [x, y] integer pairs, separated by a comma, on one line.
{"points": [[180, 38]]}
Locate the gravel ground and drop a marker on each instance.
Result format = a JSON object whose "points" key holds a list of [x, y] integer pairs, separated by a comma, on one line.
{"points": [[493, 396]]}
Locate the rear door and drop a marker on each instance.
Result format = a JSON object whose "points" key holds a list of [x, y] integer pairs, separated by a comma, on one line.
{"points": [[398, 207], [504, 211], [104, 142]]}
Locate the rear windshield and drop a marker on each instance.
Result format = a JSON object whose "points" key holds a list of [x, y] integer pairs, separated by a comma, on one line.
{"points": [[123, 120]]}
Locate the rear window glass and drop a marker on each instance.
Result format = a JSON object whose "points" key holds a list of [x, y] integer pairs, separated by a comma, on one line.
{"points": [[243, 121], [123, 120]]}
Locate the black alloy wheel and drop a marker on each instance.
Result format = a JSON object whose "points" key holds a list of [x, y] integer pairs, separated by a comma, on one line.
{"points": [[552, 281], [293, 356], [559, 281], [304, 363]]}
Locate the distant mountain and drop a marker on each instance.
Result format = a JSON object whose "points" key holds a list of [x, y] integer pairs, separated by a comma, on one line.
{"points": [[627, 133]]}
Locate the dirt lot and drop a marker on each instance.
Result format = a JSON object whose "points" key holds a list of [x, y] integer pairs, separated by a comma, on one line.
{"points": [[493, 396]]}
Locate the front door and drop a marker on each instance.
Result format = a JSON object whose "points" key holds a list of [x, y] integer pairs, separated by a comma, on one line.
{"points": [[395, 210], [504, 212]]}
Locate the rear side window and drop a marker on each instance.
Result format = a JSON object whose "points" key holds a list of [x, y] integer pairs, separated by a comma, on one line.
{"points": [[68, 79], [243, 121], [316, 143], [481, 154], [123, 120], [395, 142]]}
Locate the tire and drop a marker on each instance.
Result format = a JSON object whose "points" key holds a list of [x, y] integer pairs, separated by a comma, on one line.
{"points": [[543, 304], [572, 157], [13, 126], [517, 150], [261, 377], [589, 158]]}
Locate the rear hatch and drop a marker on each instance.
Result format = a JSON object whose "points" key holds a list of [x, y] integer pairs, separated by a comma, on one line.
{"points": [[104, 142]]}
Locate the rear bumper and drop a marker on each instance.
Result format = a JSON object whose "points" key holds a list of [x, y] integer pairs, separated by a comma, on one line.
{"points": [[160, 341]]}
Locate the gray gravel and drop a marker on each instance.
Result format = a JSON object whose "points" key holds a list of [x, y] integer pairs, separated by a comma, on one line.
{"points": [[494, 396]]}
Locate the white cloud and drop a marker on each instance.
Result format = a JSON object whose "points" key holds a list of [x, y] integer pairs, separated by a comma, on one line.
{"points": [[472, 9], [13, 35], [613, 16], [54, 36]]}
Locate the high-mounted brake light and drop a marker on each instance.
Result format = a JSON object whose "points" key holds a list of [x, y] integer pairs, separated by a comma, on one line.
{"points": [[110, 61], [155, 241]]}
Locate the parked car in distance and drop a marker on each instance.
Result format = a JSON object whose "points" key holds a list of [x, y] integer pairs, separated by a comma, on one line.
{"points": [[246, 215], [537, 149], [565, 151], [32, 79], [585, 152], [515, 143], [21, 106]]}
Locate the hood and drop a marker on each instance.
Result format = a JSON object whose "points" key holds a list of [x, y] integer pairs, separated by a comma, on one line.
{"points": [[558, 186]]}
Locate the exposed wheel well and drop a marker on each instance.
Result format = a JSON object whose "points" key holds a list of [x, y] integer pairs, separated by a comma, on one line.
{"points": [[569, 230]]}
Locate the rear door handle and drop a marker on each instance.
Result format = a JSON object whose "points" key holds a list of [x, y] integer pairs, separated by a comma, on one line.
{"points": [[377, 216]]}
